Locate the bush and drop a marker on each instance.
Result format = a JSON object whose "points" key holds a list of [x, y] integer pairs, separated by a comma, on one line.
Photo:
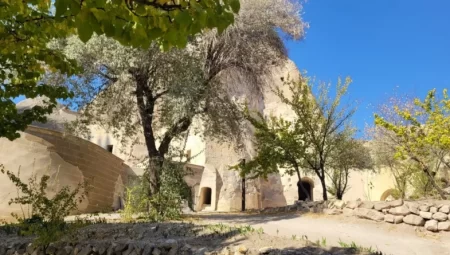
{"points": [[45, 220], [167, 203]]}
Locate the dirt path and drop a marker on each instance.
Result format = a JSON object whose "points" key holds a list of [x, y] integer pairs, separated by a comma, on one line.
{"points": [[390, 239]]}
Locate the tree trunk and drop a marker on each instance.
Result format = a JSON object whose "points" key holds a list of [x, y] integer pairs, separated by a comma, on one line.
{"points": [[425, 168], [300, 184], [434, 184], [324, 187]]}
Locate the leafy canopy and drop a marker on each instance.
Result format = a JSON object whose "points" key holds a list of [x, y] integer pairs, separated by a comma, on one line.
{"points": [[26, 28], [423, 134]]}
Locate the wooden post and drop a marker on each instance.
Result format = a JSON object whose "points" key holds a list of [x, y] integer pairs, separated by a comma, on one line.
{"points": [[243, 187]]}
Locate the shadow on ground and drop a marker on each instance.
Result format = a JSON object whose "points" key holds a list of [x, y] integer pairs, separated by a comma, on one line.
{"points": [[247, 218]]}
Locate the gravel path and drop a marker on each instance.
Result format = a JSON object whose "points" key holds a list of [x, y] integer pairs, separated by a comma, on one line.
{"points": [[390, 239]]}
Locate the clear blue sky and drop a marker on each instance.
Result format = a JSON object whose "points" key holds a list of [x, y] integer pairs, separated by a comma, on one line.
{"points": [[387, 47]]}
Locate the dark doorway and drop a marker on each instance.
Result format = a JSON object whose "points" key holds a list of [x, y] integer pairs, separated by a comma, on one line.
{"points": [[301, 195], [206, 196]]}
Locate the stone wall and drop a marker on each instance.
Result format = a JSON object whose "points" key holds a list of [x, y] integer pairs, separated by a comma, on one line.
{"points": [[433, 215], [68, 160]]}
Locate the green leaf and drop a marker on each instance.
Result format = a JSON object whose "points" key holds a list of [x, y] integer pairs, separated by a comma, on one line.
{"points": [[235, 6], [84, 28], [61, 7]]}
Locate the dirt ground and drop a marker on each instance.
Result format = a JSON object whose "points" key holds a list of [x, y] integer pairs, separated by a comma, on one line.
{"points": [[398, 239]]}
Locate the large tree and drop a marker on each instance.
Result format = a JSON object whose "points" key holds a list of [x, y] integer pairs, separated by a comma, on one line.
{"points": [[422, 136], [26, 27], [169, 90]]}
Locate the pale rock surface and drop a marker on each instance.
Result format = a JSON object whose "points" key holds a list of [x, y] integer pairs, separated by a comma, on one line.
{"points": [[348, 212], [444, 226], [413, 207], [353, 204], [367, 205], [401, 210], [396, 203], [379, 206], [440, 216], [369, 214], [431, 225], [424, 208], [433, 209], [339, 204], [445, 209], [398, 219], [333, 211], [414, 220], [426, 215]]}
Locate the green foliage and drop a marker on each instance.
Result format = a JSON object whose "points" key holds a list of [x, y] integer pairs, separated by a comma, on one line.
{"points": [[350, 155], [423, 135], [46, 218], [358, 248], [27, 27], [309, 140], [135, 202], [166, 204]]}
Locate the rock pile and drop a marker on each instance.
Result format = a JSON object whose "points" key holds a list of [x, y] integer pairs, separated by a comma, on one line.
{"points": [[433, 216]]}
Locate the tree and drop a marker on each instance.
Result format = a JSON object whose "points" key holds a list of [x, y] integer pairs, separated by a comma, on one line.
{"points": [[321, 119], [383, 144], [279, 144], [27, 27], [307, 142], [423, 135], [350, 155], [170, 90]]}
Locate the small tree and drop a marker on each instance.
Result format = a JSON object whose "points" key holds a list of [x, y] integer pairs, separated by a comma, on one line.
{"points": [[423, 135], [320, 120], [383, 144], [279, 145], [350, 155]]}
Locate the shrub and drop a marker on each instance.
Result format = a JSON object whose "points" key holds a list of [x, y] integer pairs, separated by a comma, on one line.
{"points": [[45, 220]]}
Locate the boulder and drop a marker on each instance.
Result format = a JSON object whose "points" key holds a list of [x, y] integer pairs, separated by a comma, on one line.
{"points": [[333, 211], [367, 205], [401, 210], [347, 212], [339, 204], [381, 205], [426, 215], [431, 225], [396, 203], [433, 209], [445, 209], [389, 218], [398, 219], [414, 220], [413, 207], [440, 216], [353, 204], [369, 214], [424, 208], [444, 226]]}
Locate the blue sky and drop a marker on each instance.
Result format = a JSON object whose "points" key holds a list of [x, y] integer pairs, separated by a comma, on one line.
{"points": [[387, 46]]}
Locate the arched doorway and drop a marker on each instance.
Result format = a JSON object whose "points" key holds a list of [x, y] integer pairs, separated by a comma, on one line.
{"points": [[388, 195], [205, 197], [308, 184]]}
